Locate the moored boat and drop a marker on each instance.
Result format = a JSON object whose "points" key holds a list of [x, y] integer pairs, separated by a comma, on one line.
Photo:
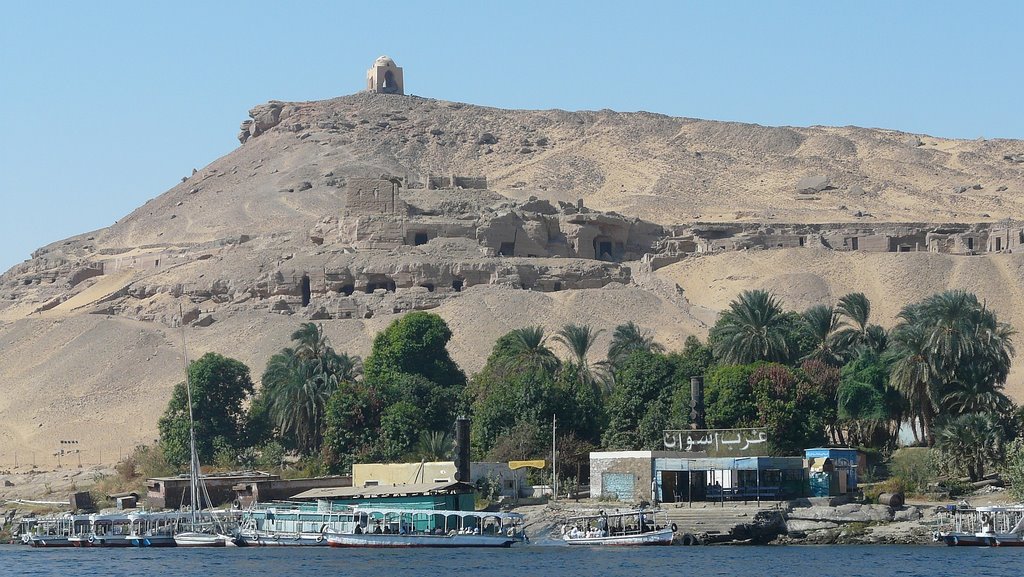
{"points": [[376, 527], [982, 526], [292, 524], [627, 528]]}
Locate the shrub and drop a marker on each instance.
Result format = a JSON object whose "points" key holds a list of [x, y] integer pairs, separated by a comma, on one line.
{"points": [[915, 467]]}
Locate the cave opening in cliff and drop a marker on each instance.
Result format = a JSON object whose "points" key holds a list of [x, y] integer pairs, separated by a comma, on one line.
{"points": [[428, 286], [380, 281], [457, 285], [603, 248], [507, 249], [348, 289], [419, 238], [306, 291]]}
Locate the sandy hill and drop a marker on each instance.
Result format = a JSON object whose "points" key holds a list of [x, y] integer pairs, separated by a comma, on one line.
{"points": [[268, 236]]}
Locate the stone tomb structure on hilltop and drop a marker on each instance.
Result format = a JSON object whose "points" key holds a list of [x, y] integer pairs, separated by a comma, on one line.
{"points": [[385, 77]]}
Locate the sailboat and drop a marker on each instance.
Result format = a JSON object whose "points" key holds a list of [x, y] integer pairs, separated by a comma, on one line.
{"points": [[200, 533]]}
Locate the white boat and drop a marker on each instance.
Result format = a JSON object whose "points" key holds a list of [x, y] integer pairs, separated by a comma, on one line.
{"points": [[199, 533], [54, 531], [982, 526], [292, 524], [378, 527], [628, 528]]}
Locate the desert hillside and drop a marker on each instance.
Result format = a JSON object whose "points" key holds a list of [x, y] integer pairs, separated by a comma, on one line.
{"points": [[354, 210]]}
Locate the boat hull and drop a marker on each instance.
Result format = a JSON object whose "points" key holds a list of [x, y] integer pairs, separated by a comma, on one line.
{"points": [[385, 540], [191, 539], [275, 540], [954, 539], [151, 541], [661, 537], [51, 541]]}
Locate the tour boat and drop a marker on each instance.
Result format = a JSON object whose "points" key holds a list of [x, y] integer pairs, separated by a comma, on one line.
{"points": [[292, 524], [982, 526], [376, 527], [633, 527], [54, 531]]}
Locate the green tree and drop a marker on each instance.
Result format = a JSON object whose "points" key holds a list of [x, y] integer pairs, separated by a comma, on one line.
{"points": [[968, 350], [298, 382], [791, 413], [822, 322], [352, 426], [578, 340], [753, 328], [871, 410], [913, 377], [972, 441], [414, 344], [220, 385], [638, 409], [626, 339], [728, 397], [526, 348], [435, 446], [1012, 468]]}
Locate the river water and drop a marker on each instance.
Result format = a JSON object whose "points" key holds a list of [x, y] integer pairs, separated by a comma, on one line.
{"points": [[554, 561]]}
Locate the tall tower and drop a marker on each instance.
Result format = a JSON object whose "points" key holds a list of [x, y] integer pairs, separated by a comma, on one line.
{"points": [[385, 77]]}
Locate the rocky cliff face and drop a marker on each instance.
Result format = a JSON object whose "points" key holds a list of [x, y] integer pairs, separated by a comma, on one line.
{"points": [[356, 209]]}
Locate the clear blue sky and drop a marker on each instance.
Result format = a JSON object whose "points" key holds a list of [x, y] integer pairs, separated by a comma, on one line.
{"points": [[107, 104]]}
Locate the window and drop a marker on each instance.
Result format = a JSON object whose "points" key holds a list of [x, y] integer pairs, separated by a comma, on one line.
{"points": [[371, 483]]}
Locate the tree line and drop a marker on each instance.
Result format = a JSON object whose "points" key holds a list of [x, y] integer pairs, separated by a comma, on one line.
{"points": [[824, 375]]}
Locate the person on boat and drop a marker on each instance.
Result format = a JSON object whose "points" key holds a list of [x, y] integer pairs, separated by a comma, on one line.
{"points": [[377, 530], [602, 523], [359, 529]]}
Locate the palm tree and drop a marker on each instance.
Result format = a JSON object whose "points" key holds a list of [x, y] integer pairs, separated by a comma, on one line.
{"points": [[751, 330], [855, 310], [912, 376], [527, 350], [579, 339], [628, 338], [299, 381], [975, 440], [434, 446], [976, 396], [969, 350], [822, 322]]}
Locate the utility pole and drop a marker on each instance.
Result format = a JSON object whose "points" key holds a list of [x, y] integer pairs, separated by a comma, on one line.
{"points": [[554, 468]]}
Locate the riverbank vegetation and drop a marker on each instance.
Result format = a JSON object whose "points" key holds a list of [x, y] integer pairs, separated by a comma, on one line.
{"points": [[827, 375]]}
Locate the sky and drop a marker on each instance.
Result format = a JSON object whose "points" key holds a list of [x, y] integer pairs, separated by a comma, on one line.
{"points": [[105, 105]]}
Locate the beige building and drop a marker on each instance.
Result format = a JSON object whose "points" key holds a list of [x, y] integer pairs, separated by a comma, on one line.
{"points": [[513, 482], [385, 77]]}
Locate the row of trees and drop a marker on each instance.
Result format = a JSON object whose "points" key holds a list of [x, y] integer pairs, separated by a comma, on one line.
{"points": [[827, 374], [941, 370]]}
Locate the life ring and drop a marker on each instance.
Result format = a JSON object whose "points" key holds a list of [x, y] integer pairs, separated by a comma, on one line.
{"points": [[92, 538], [320, 538], [674, 528], [690, 539], [510, 532]]}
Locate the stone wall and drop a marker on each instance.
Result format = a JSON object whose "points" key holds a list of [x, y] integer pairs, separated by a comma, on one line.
{"points": [[374, 196], [639, 464], [435, 182]]}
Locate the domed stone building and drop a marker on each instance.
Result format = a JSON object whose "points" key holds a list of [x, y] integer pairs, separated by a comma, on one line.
{"points": [[385, 77]]}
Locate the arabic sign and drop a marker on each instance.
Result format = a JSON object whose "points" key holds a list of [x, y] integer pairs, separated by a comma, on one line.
{"points": [[719, 442]]}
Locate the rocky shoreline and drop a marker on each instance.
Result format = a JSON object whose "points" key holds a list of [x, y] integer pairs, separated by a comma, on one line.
{"points": [[798, 522]]}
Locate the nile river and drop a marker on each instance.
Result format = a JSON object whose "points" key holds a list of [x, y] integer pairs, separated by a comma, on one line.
{"points": [[555, 561]]}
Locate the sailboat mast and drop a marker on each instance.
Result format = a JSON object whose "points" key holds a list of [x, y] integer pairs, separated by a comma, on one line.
{"points": [[194, 458]]}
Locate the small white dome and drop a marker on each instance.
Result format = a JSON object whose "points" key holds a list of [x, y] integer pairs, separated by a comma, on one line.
{"points": [[384, 61]]}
